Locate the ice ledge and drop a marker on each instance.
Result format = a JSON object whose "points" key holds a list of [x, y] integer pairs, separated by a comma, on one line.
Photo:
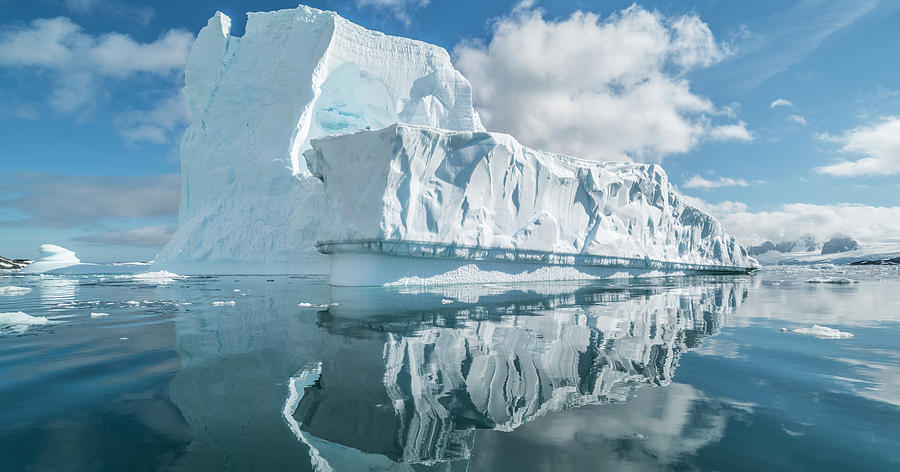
{"points": [[391, 263]]}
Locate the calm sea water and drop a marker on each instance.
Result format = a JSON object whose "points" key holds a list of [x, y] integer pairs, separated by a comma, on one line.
{"points": [[673, 374]]}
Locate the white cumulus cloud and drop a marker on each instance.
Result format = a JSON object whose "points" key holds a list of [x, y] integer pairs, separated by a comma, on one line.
{"points": [[79, 62], [781, 102], [706, 184], [733, 132], [876, 144], [601, 88], [868, 224], [798, 119]]}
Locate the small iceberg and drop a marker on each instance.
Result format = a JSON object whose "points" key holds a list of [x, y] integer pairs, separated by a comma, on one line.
{"points": [[20, 322], [13, 291], [99, 315], [824, 332], [159, 277], [52, 257], [228, 303], [830, 280]]}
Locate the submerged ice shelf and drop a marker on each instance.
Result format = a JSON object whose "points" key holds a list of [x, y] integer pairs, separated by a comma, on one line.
{"points": [[411, 205]]}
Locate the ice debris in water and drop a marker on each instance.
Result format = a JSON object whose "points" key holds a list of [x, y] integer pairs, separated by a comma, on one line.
{"points": [[824, 332], [133, 302], [99, 315], [12, 291], [830, 280], [445, 301], [310, 305], [20, 322], [228, 303], [160, 277]]}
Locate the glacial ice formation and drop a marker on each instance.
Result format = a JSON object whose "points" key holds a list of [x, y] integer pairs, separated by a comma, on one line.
{"points": [[248, 203], [53, 257], [415, 205]]}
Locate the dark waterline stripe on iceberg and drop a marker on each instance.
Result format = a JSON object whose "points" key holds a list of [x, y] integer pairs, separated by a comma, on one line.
{"points": [[437, 250]]}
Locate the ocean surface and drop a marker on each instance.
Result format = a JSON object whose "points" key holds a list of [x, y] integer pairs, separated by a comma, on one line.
{"points": [[286, 373]]}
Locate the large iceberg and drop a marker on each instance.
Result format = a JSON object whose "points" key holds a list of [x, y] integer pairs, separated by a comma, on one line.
{"points": [[408, 205], [248, 203]]}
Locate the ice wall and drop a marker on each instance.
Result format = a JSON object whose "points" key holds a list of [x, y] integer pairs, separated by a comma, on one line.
{"points": [[463, 190], [248, 203]]}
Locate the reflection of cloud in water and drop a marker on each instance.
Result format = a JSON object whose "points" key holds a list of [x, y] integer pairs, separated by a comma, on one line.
{"points": [[651, 431], [878, 381], [413, 387], [235, 367]]}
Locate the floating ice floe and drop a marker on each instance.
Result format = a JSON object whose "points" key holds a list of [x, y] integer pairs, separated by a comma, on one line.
{"points": [[310, 305], [160, 277], [13, 291], [824, 332], [20, 322], [445, 301], [228, 303], [830, 280], [99, 315]]}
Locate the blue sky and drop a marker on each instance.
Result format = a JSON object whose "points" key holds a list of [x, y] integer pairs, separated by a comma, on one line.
{"points": [[779, 117]]}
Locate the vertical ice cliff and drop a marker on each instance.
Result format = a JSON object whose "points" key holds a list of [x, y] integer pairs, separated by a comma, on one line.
{"points": [[413, 205], [248, 203]]}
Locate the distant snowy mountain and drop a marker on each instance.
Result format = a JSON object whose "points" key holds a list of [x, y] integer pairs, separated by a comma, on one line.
{"points": [[248, 203], [838, 250]]}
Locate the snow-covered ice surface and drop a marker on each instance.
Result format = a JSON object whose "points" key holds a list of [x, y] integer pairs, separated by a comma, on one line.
{"points": [[824, 332], [479, 204], [53, 257], [248, 203]]}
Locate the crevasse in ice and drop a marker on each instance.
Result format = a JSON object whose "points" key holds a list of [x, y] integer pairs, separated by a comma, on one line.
{"points": [[248, 203]]}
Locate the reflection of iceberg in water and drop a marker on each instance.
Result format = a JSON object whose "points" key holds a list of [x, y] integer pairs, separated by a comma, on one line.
{"points": [[414, 387], [234, 364], [56, 289]]}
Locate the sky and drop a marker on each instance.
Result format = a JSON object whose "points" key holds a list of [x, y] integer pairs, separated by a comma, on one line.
{"points": [[780, 118]]}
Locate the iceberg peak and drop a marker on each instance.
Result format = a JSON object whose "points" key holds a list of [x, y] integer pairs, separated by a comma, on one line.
{"points": [[248, 202]]}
